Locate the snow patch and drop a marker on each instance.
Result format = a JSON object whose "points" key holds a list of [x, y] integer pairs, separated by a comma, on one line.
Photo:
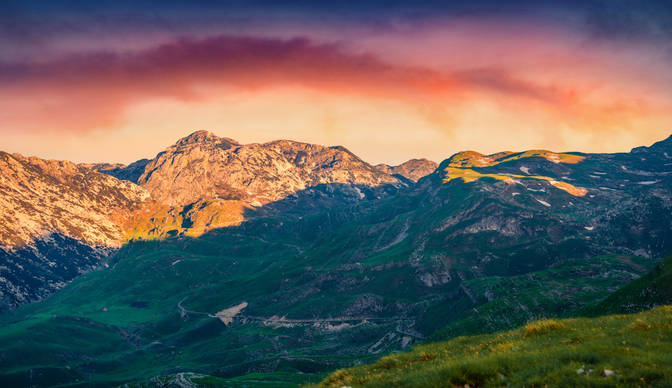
{"points": [[543, 202], [526, 170], [589, 227], [647, 182]]}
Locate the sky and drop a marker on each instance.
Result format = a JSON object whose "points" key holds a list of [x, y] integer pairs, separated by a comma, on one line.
{"points": [[116, 81]]}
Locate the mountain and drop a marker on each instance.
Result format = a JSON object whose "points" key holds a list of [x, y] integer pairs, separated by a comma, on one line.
{"points": [[64, 219], [59, 220], [413, 169], [203, 182], [318, 280], [204, 166]]}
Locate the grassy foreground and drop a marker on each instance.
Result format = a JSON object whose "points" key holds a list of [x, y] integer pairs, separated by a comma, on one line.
{"points": [[616, 350]]}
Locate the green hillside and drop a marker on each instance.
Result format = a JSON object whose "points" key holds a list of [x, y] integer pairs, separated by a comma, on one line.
{"points": [[152, 312], [503, 303], [610, 351], [653, 289]]}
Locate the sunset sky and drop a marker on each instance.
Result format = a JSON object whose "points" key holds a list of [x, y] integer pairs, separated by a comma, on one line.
{"points": [[117, 81]]}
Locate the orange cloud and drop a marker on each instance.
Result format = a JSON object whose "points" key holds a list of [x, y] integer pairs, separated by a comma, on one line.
{"points": [[82, 92]]}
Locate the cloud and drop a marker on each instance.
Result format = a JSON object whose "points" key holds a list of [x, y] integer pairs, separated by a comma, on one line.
{"points": [[88, 90], [93, 90]]}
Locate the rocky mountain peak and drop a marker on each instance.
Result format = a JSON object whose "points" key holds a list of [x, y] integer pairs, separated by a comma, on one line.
{"points": [[205, 166], [412, 169], [203, 137]]}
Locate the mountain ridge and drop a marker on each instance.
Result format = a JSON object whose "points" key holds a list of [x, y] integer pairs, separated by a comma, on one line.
{"points": [[412, 169], [203, 166]]}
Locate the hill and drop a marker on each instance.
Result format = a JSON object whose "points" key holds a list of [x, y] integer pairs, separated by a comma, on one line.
{"points": [[653, 289], [613, 351]]}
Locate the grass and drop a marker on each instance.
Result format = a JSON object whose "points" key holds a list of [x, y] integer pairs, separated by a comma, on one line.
{"points": [[652, 289], [469, 175], [162, 221], [542, 326], [577, 352], [505, 302], [475, 159]]}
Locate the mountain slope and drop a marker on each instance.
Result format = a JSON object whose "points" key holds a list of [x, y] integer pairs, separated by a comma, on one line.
{"points": [[63, 219], [558, 291], [413, 169], [653, 289], [120, 171], [59, 220]]}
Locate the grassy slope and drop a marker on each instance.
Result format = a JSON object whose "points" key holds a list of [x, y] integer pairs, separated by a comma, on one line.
{"points": [[570, 352], [557, 292], [653, 289]]}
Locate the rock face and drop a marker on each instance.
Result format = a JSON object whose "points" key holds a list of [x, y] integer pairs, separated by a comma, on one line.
{"points": [[120, 171], [58, 220], [204, 166], [413, 169]]}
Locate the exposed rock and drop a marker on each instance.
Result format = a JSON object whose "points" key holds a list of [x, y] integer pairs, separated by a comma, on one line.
{"points": [[58, 220], [204, 166], [40, 197], [413, 169], [120, 171]]}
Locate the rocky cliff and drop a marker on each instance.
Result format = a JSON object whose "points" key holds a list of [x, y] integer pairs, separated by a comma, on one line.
{"points": [[58, 220]]}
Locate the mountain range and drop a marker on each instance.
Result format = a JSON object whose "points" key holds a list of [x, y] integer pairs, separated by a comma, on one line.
{"points": [[63, 219], [286, 260]]}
